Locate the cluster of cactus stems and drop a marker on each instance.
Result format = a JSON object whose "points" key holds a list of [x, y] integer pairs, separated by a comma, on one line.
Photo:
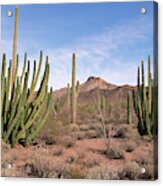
{"points": [[72, 93], [143, 101], [21, 106], [129, 108]]}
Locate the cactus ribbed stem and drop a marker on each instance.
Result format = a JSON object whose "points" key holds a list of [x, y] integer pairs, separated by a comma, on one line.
{"points": [[68, 96], [143, 103], [129, 108], [73, 91], [22, 107], [14, 57]]}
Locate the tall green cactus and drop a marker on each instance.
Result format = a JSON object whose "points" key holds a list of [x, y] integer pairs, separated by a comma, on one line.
{"points": [[75, 88], [101, 103], [129, 108], [68, 96], [21, 106], [15, 46], [143, 101]]}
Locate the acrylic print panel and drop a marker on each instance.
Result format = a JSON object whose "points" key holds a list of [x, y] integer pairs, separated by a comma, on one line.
{"points": [[79, 91]]}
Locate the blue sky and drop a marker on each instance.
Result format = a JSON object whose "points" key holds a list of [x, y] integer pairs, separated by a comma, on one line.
{"points": [[109, 39]]}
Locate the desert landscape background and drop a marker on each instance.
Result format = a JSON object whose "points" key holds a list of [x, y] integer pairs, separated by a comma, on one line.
{"points": [[77, 151], [93, 129]]}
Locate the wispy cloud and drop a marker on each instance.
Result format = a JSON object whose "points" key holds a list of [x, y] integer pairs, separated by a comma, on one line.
{"points": [[114, 54]]}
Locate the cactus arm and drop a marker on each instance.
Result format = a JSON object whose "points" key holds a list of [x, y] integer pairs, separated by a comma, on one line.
{"points": [[41, 121], [23, 71], [15, 46], [73, 92], [77, 88], [129, 105], [68, 96], [34, 74], [7, 94], [37, 76]]}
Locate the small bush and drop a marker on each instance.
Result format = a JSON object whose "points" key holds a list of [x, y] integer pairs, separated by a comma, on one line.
{"points": [[144, 158], [115, 153], [58, 150], [130, 171], [129, 146], [66, 141], [123, 131], [84, 127], [43, 165], [76, 172], [103, 172]]}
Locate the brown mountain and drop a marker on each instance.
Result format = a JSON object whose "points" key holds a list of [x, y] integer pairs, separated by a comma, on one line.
{"points": [[95, 85]]}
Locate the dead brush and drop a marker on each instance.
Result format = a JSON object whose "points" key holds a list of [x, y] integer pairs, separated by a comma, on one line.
{"points": [[43, 165], [103, 129]]}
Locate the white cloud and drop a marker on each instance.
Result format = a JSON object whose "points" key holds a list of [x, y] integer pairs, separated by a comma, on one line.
{"points": [[99, 55]]}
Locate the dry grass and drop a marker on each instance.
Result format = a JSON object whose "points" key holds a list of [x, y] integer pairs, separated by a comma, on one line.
{"points": [[103, 172]]}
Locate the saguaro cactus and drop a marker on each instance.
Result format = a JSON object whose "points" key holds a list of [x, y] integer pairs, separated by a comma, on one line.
{"points": [[129, 107], [74, 91], [21, 106], [143, 101]]}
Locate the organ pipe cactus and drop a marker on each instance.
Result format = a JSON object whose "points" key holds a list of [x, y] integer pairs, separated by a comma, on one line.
{"points": [[68, 96], [143, 101], [129, 107], [101, 103], [21, 105], [75, 88]]}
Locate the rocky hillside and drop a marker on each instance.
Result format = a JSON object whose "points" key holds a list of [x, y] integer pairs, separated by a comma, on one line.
{"points": [[94, 86]]}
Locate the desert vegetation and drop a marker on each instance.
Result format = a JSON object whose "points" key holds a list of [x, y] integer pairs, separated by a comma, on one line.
{"points": [[91, 130]]}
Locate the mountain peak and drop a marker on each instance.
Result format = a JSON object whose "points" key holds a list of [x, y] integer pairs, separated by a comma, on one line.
{"points": [[94, 82]]}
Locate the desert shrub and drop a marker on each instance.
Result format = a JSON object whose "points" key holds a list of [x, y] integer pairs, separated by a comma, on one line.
{"points": [[66, 141], [73, 127], [129, 146], [148, 174], [5, 147], [144, 158], [71, 156], [13, 172], [103, 172], [76, 172], [124, 131], [58, 150], [88, 159], [91, 134], [115, 153], [52, 131], [86, 109], [42, 164], [84, 127], [9, 156], [130, 171], [79, 135]]}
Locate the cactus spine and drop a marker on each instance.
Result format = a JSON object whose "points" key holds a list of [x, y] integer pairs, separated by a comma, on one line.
{"points": [[129, 107], [21, 105], [75, 88], [143, 102]]}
